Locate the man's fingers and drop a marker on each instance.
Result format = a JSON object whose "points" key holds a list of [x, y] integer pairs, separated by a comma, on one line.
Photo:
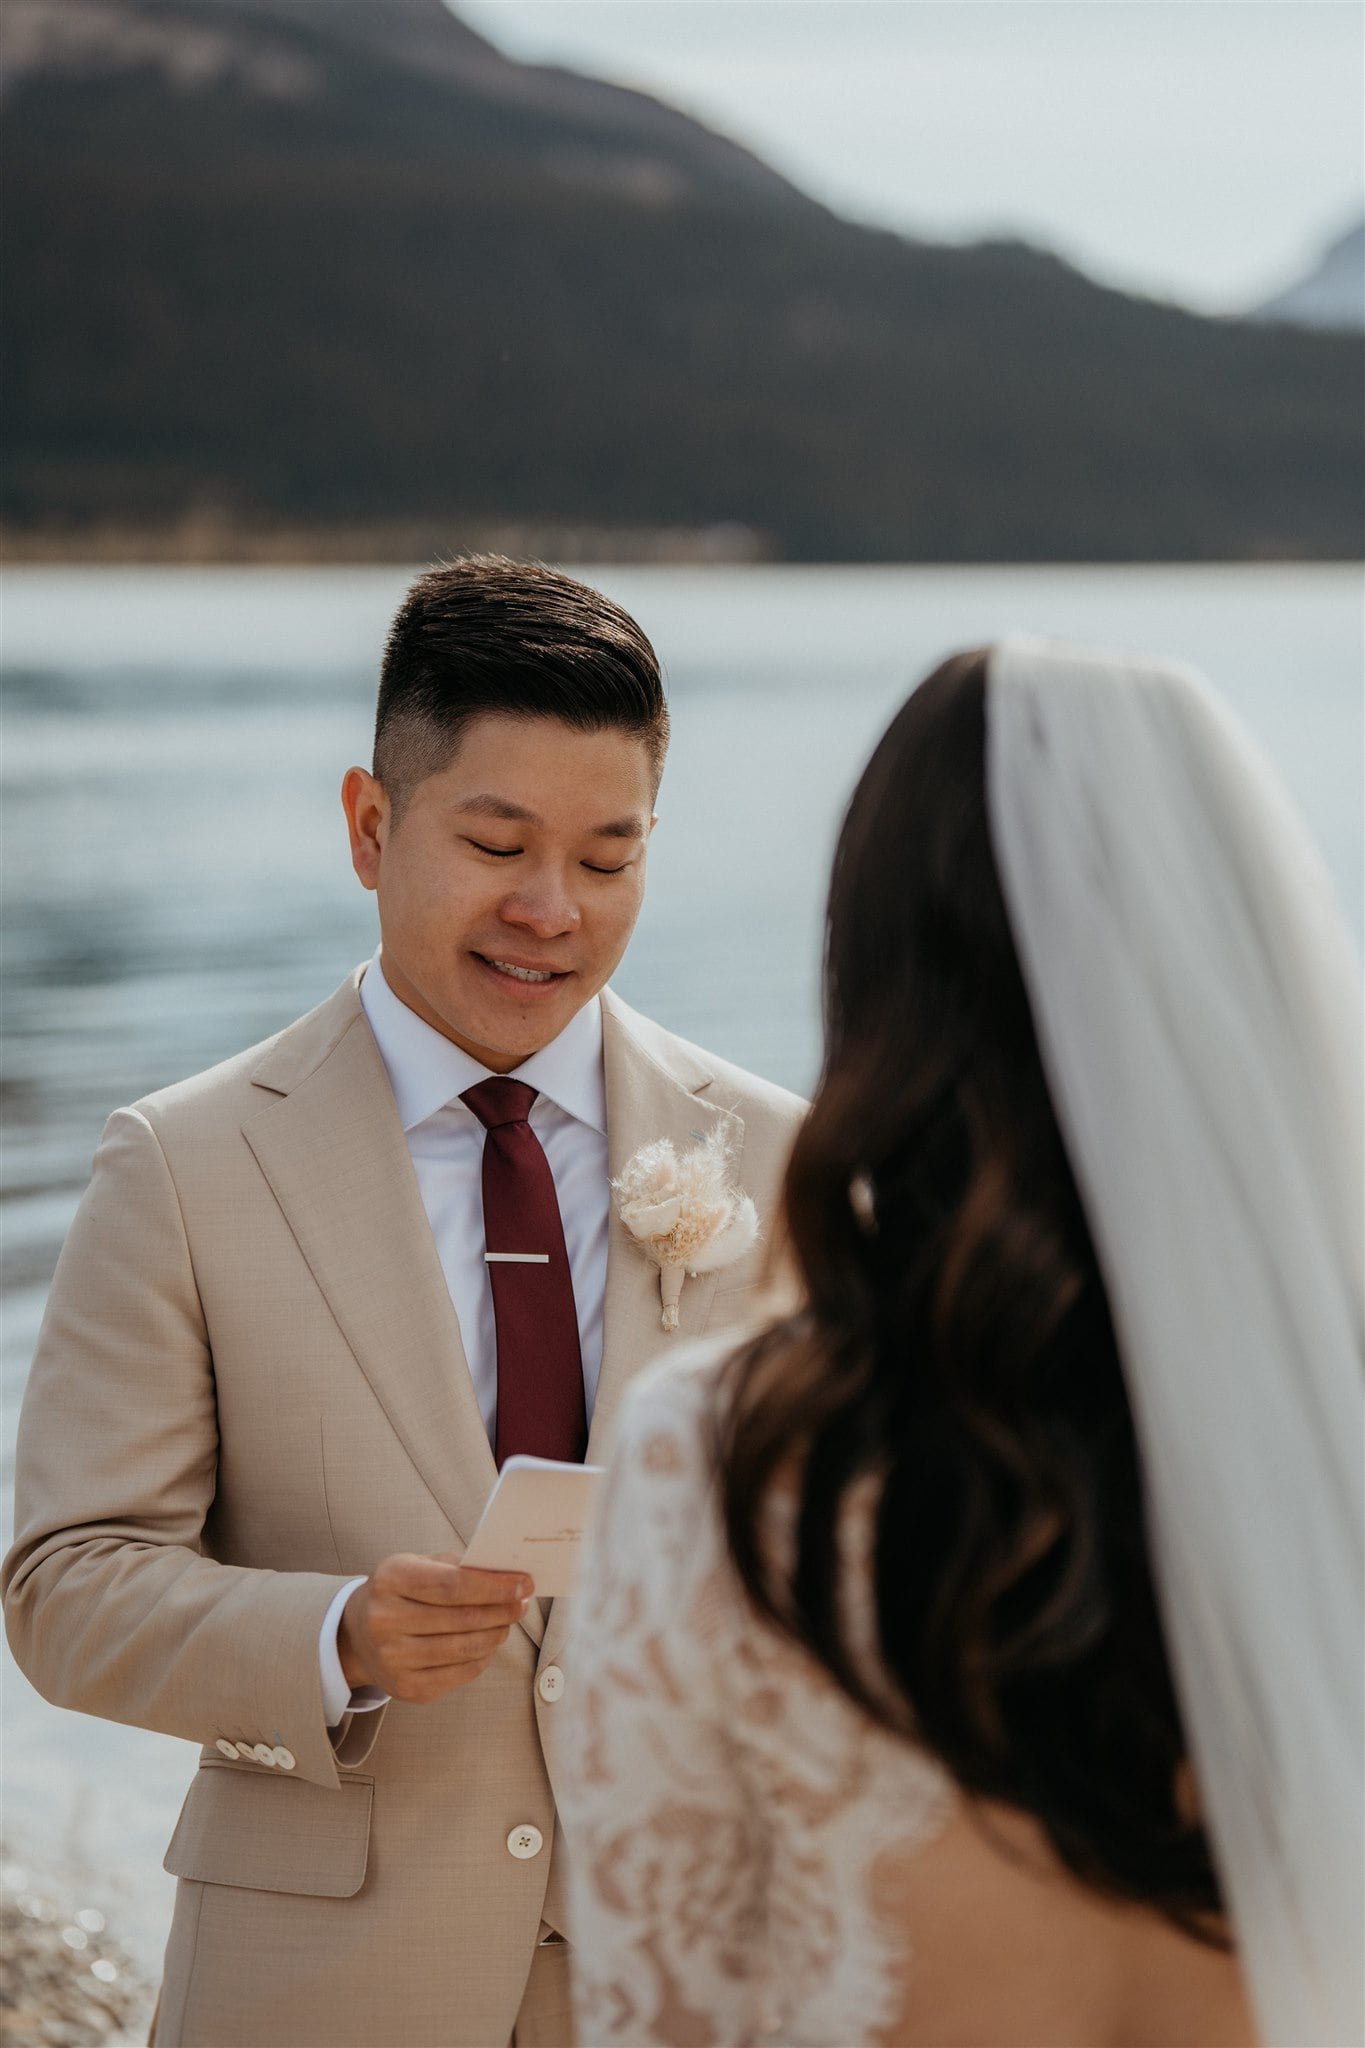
{"points": [[428, 1625], [441, 1582], [437, 1652], [476, 1588], [392, 1618]]}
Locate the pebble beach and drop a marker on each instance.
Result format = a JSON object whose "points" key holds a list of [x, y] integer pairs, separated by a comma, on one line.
{"points": [[66, 1980]]}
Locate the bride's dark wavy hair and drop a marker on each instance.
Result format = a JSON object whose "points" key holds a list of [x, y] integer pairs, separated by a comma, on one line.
{"points": [[956, 1345]]}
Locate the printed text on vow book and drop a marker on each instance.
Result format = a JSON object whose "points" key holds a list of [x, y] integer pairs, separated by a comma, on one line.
{"points": [[535, 1521]]}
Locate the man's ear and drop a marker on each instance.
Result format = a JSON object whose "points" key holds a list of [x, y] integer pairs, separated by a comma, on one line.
{"points": [[366, 805]]}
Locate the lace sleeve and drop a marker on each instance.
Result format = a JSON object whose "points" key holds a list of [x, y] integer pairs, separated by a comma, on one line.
{"points": [[668, 1856]]}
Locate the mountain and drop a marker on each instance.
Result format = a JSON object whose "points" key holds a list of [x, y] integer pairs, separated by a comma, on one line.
{"points": [[1332, 294], [446, 84], [311, 276]]}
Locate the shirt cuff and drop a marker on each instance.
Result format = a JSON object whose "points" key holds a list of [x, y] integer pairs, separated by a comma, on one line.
{"points": [[337, 1698]]}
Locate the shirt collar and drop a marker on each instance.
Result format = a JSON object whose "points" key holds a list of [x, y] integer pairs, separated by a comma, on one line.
{"points": [[426, 1071]]}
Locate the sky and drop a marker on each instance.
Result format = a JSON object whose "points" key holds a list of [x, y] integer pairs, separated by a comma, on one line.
{"points": [[1199, 150]]}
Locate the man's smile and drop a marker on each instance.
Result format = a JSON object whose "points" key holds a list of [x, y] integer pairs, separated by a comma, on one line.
{"points": [[526, 977]]}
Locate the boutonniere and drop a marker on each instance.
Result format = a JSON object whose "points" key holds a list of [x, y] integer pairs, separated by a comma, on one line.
{"points": [[684, 1213]]}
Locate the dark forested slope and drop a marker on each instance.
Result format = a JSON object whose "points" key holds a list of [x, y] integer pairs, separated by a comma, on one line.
{"points": [[339, 262]]}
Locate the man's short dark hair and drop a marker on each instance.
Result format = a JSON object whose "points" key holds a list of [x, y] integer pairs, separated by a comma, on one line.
{"points": [[490, 635]]}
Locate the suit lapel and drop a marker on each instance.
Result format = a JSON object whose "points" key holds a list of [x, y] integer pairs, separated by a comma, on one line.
{"points": [[654, 1090], [333, 1151]]}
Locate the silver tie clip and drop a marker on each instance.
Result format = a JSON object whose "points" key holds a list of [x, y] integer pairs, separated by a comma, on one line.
{"points": [[516, 1258]]}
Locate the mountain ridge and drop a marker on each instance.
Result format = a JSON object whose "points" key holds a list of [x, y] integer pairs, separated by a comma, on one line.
{"points": [[1331, 293]]}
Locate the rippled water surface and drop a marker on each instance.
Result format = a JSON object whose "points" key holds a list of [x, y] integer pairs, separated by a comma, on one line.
{"points": [[176, 883]]}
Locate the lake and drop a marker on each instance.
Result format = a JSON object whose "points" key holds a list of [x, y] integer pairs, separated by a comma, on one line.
{"points": [[176, 882]]}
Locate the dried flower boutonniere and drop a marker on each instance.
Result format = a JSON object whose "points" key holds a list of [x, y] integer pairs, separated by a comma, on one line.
{"points": [[683, 1212]]}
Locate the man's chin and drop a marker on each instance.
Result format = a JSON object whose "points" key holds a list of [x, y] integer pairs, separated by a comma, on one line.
{"points": [[509, 1030]]}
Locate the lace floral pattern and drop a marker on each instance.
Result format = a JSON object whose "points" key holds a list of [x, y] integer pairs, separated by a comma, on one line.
{"points": [[729, 1810]]}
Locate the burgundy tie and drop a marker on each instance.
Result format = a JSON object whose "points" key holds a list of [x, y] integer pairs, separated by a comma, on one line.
{"points": [[540, 1367]]}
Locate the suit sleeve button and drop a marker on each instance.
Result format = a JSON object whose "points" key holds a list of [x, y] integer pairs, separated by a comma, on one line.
{"points": [[525, 1842], [550, 1684], [226, 1748], [264, 1754], [246, 1751], [283, 1757]]}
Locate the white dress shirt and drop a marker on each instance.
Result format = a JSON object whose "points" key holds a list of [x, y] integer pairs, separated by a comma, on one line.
{"points": [[569, 1116]]}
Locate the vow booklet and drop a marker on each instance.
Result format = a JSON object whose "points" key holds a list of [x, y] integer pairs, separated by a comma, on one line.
{"points": [[535, 1521]]}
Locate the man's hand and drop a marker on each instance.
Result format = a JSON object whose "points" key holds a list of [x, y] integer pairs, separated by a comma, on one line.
{"points": [[420, 1627]]}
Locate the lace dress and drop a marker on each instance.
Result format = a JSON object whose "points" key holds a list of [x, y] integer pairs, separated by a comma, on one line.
{"points": [[735, 1824]]}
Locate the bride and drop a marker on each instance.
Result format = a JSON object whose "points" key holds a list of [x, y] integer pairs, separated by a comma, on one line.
{"points": [[974, 1656]]}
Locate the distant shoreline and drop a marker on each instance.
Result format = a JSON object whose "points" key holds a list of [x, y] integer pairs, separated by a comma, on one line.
{"points": [[195, 543]]}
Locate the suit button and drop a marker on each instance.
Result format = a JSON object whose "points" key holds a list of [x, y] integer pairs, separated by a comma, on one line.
{"points": [[246, 1751], [283, 1757], [523, 1843], [224, 1747], [264, 1754], [550, 1684]]}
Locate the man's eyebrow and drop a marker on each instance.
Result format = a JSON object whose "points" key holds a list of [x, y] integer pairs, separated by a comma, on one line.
{"points": [[499, 807], [488, 806]]}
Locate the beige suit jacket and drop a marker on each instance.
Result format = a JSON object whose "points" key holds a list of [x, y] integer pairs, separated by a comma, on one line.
{"points": [[250, 1386]]}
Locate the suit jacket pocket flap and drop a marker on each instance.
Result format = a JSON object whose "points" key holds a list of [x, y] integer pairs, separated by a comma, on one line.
{"points": [[270, 1833]]}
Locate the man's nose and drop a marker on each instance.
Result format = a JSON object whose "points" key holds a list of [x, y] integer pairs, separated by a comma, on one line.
{"points": [[545, 907]]}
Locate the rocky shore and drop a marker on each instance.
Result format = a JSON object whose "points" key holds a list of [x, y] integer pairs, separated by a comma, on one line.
{"points": [[66, 1981]]}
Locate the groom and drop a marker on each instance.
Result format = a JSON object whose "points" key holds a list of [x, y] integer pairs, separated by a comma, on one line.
{"points": [[311, 1300]]}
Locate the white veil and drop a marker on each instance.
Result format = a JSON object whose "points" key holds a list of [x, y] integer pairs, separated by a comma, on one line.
{"points": [[1199, 1012]]}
